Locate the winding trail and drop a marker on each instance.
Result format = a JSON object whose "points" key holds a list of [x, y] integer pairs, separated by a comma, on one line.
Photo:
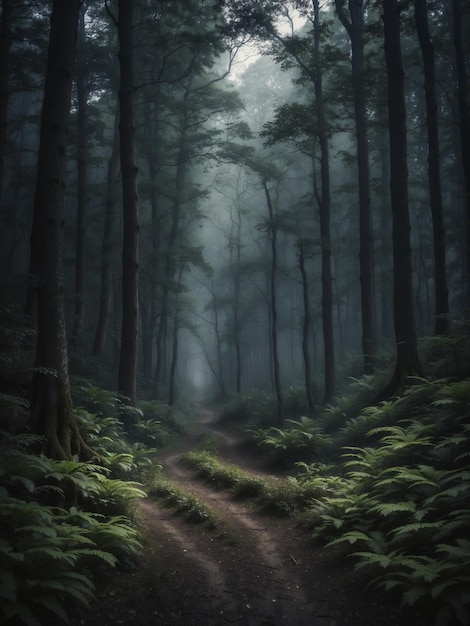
{"points": [[254, 580], [259, 571]]}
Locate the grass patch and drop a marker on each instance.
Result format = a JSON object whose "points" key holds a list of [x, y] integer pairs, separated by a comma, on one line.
{"points": [[187, 504]]}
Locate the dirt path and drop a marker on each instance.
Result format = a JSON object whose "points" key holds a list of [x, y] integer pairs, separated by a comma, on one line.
{"points": [[260, 571]]}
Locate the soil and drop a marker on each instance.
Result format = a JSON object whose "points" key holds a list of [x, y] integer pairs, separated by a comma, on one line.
{"points": [[259, 570]]}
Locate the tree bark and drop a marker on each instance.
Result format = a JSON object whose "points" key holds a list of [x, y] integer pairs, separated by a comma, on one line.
{"points": [[169, 268], [130, 250], [324, 202], [355, 29], [407, 363], [306, 330], [464, 122], [82, 184], [174, 350], [441, 295], [273, 278], [52, 414], [5, 46], [107, 248]]}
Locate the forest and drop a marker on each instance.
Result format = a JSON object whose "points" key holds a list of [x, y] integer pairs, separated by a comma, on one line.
{"points": [[257, 208]]}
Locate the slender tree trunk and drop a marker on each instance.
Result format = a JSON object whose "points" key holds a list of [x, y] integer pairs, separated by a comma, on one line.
{"points": [[464, 120], [81, 79], [174, 361], [306, 330], [174, 351], [169, 268], [236, 305], [52, 414], [324, 202], [5, 46], [386, 300], [130, 263], [273, 278], [107, 248], [355, 29], [441, 295], [407, 363]]}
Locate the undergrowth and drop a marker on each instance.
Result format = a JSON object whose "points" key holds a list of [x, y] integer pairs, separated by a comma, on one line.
{"points": [[62, 523], [172, 495], [397, 493]]}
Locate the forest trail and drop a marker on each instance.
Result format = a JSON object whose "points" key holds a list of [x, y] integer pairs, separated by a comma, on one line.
{"points": [[260, 570]]}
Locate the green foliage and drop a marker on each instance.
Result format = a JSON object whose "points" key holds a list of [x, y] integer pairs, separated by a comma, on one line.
{"points": [[285, 496], [105, 435], [224, 475], [303, 441], [47, 553], [187, 503], [403, 502], [159, 425]]}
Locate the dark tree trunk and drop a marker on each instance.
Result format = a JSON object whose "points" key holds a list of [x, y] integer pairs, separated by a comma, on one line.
{"points": [[464, 120], [306, 330], [324, 202], [236, 306], [441, 295], [148, 325], [174, 361], [5, 46], [355, 29], [81, 80], [273, 278], [407, 363], [107, 248], [130, 263], [220, 365], [52, 414], [169, 268], [386, 291], [174, 351]]}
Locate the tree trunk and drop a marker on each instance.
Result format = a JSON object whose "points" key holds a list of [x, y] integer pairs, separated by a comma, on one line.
{"points": [[130, 263], [407, 363], [355, 29], [5, 46], [81, 80], [306, 330], [386, 299], [174, 351], [273, 277], [324, 202], [148, 326], [441, 302], [52, 414], [169, 268], [107, 248], [464, 121]]}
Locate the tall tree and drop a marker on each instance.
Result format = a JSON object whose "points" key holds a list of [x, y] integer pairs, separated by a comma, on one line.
{"points": [[5, 46], [407, 363], [441, 295], [81, 81], [107, 246], [307, 56], [303, 246], [354, 26], [459, 21], [127, 380], [273, 228], [52, 414]]}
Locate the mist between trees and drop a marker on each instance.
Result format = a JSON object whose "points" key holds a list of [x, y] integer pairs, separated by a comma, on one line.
{"points": [[222, 196]]}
